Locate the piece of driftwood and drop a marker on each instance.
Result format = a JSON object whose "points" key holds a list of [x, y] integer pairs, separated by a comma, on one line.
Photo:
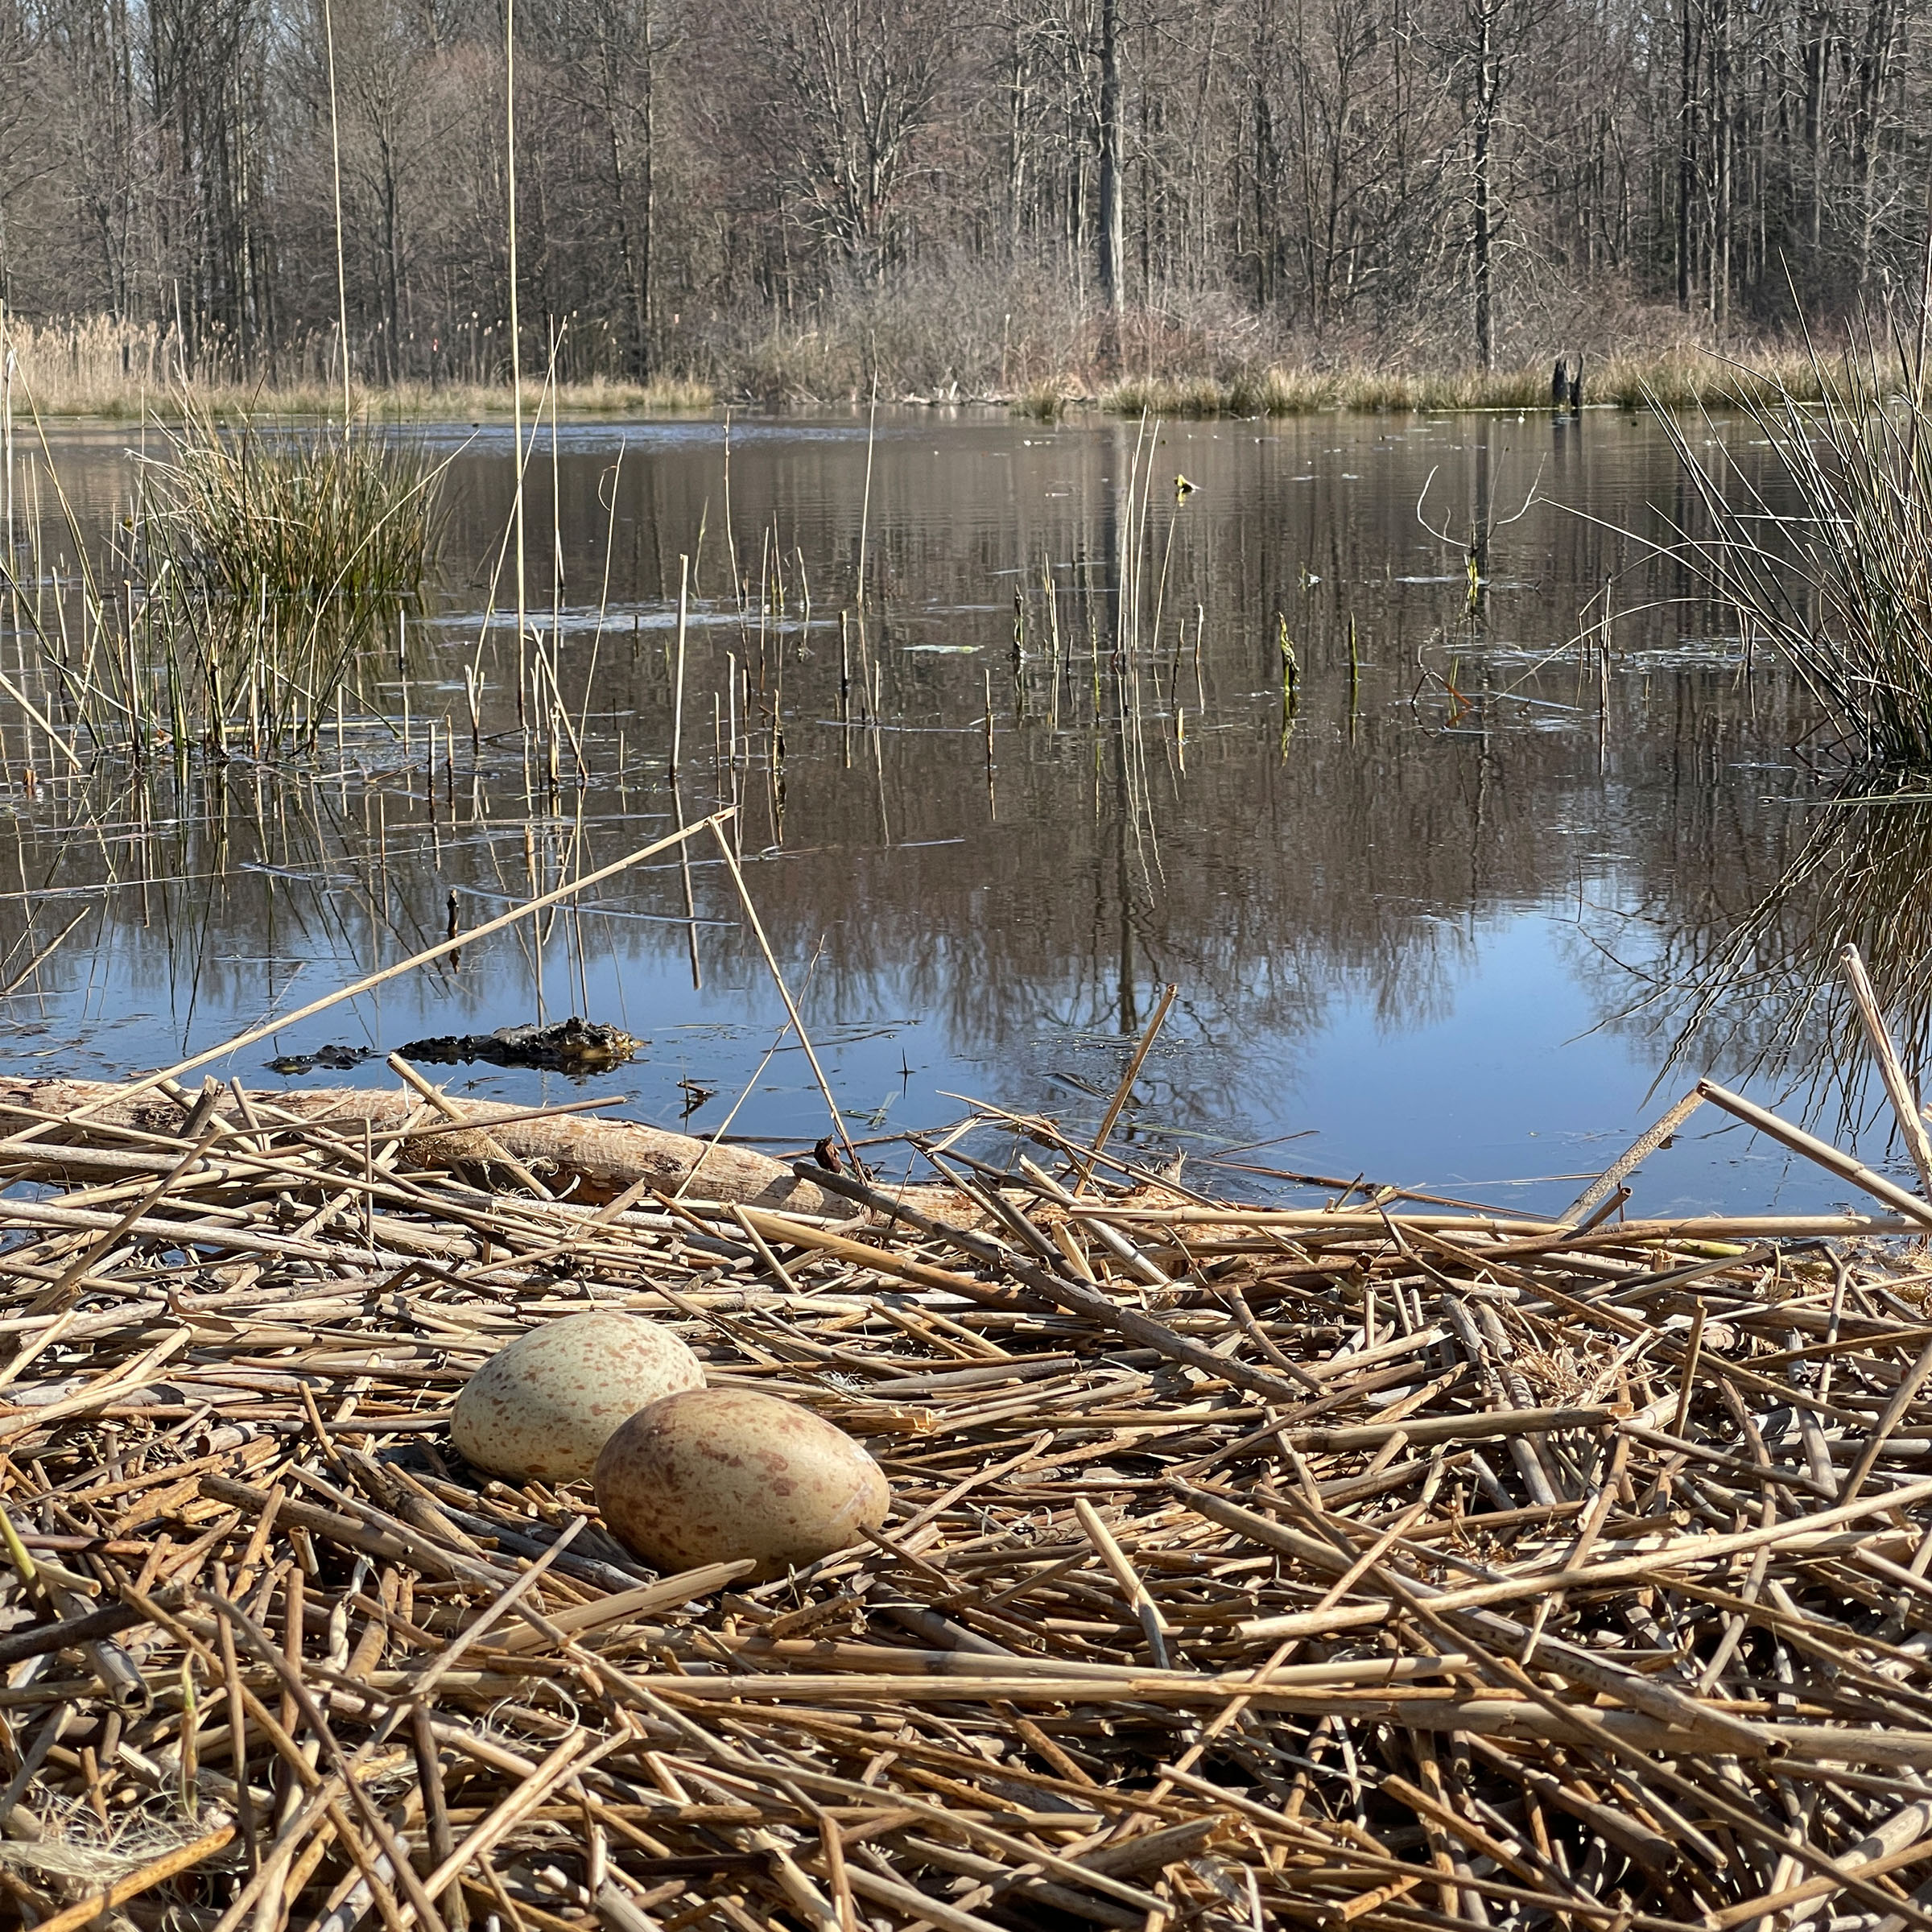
{"points": [[595, 1160]]}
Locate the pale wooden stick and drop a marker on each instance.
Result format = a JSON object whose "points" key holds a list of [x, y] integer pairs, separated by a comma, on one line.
{"points": [[1152, 1625], [1168, 994], [451, 1111], [1831, 1158], [1905, 1102]]}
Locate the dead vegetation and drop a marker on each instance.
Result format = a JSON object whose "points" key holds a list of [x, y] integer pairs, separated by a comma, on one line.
{"points": [[1386, 1563]]}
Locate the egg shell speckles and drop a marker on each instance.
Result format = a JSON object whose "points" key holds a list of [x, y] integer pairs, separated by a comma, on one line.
{"points": [[715, 1475], [541, 1408]]}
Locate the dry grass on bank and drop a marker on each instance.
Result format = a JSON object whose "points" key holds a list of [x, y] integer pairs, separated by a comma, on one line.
{"points": [[95, 366], [1678, 377], [98, 367]]}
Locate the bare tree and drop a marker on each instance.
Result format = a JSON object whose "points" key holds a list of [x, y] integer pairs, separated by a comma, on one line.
{"points": [[959, 186], [853, 87]]}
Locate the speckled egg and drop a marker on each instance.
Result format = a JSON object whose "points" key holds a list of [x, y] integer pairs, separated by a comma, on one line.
{"points": [[542, 1407], [715, 1475]]}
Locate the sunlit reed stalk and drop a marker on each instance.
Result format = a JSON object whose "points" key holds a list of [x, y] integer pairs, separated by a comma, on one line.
{"points": [[556, 536], [731, 541], [871, 424], [6, 427], [596, 640], [516, 339], [677, 702], [335, 154]]}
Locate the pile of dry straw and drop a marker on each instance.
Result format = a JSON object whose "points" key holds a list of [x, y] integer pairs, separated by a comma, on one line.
{"points": [[1390, 1563]]}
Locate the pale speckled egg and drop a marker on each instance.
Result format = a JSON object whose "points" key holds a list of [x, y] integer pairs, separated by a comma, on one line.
{"points": [[716, 1475], [542, 1407]]}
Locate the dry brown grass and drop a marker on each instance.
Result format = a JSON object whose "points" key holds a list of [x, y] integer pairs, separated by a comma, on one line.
{"points": [[95, 366]]}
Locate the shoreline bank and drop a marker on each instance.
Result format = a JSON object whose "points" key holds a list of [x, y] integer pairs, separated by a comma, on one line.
{"points": [[63, 389]]}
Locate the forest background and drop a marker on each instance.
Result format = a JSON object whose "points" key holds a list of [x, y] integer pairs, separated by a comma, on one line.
{"points": [[796, 197]]}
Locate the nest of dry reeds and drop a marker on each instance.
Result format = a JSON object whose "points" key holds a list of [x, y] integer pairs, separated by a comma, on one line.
{"points": [[1388, 1563]]}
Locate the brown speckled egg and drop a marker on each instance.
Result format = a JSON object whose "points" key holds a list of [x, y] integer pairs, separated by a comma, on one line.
{"points": [[542, 1407], [714, 1475]]}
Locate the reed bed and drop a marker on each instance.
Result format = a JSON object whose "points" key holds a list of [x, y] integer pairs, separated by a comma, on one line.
{"points": [[95, 365], [1675, 378], [237, 601], [1388, 1563], [1827, 559]]}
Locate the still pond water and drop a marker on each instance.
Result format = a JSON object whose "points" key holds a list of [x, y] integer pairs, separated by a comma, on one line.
{"points": [[1439, 926]]}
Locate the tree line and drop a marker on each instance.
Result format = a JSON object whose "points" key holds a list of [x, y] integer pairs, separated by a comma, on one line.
{"points": [[801, 194]]}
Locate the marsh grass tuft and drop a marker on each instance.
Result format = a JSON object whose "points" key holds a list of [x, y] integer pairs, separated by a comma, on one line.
{"points": [[1045, 401], [1282, 391], [1828, 560], [337, 519], [256, 573], [276, 560]]}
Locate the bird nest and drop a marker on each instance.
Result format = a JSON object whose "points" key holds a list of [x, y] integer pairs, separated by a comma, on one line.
{"points": [[1390, 1564]]}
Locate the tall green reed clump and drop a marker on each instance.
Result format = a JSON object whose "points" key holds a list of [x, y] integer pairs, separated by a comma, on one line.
{"points": [[272, 563], [1828, 560]]}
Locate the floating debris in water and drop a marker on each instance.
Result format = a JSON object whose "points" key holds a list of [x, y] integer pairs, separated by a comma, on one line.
{"points": [[324, 1059], [571, 1046]]}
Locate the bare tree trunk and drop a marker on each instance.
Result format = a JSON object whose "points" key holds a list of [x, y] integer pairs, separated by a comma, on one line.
{"points": [[1111, 239], [1721, 152], [1686, 155], [1874, 65], [1016, 139], [1482, 135], [647, 229]]}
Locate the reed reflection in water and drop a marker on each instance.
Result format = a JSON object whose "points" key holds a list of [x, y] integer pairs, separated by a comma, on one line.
{"points": [[1767, 995]]}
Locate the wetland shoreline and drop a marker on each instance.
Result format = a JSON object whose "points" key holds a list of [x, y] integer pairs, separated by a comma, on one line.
{"points": [[85, 374]]}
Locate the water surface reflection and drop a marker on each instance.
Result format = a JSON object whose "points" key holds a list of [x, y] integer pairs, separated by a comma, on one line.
{"points": [[1409, 915]]}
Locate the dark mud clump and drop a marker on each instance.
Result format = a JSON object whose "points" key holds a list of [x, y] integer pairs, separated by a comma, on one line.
{"points": [[324, 1059], [571, 1046]]}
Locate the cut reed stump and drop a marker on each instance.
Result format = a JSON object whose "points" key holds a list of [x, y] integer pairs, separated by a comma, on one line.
{"points": [[1406, 1568]]}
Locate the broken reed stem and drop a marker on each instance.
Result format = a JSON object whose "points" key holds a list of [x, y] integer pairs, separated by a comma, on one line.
{"points": [[1124, 1092], [1898, 1085], [1827, 1156], [778, 977], [677, 708]]}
